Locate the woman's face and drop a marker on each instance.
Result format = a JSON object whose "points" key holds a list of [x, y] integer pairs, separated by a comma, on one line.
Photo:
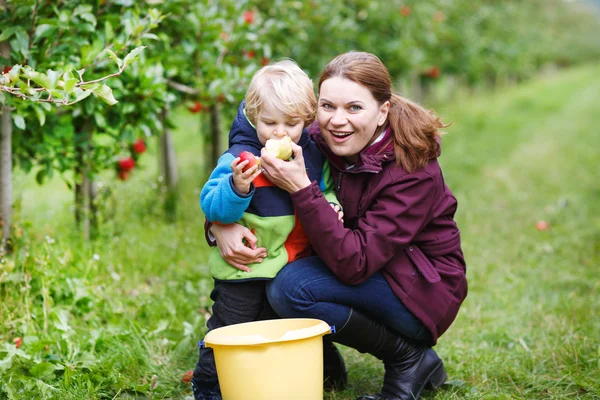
{"points": [[348, 116]]}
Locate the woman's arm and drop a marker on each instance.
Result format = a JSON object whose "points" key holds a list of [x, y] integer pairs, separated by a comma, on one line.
{"points": [[399, 213], [237, 245]]}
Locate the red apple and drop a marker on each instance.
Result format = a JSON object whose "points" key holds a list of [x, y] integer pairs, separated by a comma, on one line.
{"points": [[249, 16], [264, 61], [250, 54], [405, 11], [432, 72], [18, 342], [187, 377], [542, 226], [126, 164], [251, 158], [139, 146], [196, 107], [7, 69], [123, 175]]}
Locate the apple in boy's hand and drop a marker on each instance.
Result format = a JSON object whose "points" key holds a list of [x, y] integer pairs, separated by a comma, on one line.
{"points": [[281, 148], [251, 158]]}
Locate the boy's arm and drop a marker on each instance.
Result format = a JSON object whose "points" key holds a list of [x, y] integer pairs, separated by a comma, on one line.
{"points": [[219, 199], [326, 185]]}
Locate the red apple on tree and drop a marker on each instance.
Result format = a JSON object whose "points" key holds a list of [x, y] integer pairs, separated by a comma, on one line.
{"points": [[251, 158], [126, 164], [18, 342], [123, 175], [249, 16], [139, 146], [196, 107]]}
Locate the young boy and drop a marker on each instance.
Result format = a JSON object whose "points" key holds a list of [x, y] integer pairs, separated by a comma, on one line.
{"points": [[280, 102]]}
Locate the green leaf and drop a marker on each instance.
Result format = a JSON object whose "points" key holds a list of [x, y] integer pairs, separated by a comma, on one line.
{"points": [[103, 140], [42, 31], [89, 17], [41, 115], [108, 32], [129, 58], [38, 77], [100, 120], [70, 84], [81, 94], [19, 121], [42, 369], [116, 59], [40, 176], [7, 33], [53, 76], [21, 42], [105, 93]]}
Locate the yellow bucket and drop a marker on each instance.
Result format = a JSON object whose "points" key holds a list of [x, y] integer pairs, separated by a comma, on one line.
{"points": [[270, 360]]}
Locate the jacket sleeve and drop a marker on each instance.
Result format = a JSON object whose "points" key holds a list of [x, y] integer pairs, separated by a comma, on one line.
{"points": [[219, 199], [326, 184], [398, 214]]}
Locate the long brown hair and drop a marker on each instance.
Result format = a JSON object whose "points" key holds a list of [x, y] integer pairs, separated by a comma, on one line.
{"points": [[415, 129]]}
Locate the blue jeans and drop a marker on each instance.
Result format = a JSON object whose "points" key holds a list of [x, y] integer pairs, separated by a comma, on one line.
{"points": [[306, 288]]}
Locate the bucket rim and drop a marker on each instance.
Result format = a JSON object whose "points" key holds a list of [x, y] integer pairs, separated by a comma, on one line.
{"points": [[218, 338]]}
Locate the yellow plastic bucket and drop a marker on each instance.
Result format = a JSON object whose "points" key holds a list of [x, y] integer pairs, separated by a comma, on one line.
{"points": [[270, 360]]}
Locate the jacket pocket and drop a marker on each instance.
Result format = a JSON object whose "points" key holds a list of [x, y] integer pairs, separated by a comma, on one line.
{"points": [[423, 264]]}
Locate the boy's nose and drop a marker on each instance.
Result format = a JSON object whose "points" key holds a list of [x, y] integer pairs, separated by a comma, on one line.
{"points": [[279, 132]]}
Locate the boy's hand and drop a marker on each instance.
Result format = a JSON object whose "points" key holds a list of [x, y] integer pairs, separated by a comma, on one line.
{"points": [[338, 210], [241, 179]]}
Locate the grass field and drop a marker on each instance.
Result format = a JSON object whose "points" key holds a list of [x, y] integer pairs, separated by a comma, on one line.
{"points": [[119, 318]]}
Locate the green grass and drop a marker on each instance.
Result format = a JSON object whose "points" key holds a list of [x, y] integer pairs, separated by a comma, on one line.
{"points": [[101, 326]]}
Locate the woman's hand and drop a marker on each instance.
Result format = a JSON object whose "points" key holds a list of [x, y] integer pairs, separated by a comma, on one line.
{"points": [[230, 241], [289, 175]]}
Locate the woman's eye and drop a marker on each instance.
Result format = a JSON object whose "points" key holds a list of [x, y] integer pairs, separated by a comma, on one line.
{"points": [[355, 108], [269, 123], [327, 106]]}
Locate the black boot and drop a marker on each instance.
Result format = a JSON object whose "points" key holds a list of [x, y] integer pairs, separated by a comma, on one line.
{"points": [[409, 368], [335, 376]]}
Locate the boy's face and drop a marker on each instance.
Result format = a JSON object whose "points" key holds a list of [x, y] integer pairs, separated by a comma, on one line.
{"points": [[273, 124]]}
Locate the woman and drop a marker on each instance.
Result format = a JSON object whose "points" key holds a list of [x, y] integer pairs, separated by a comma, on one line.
{"points": [[391, 276]]}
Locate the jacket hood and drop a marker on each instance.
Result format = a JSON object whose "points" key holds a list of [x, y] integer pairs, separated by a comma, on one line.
{"points": [[242, 132]]}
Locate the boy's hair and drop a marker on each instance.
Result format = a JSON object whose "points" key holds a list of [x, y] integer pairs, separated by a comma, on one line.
{"points": [[285, 87]]}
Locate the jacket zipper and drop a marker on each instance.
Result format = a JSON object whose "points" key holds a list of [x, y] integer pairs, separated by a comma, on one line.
{"points": [[339, 184]]}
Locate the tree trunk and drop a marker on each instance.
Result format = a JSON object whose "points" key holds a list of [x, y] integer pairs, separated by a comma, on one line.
{"points": [[215, 129], [85, 188], [168, 168], [5, 161]]}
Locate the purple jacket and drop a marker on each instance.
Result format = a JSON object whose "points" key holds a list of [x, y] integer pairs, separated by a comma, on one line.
{"points": [[395, 222]]}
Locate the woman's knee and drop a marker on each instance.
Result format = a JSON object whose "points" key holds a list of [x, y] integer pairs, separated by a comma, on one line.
{"points": [[287, 291]]}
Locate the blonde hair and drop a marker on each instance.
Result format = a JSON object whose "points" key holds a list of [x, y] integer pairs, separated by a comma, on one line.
{"points": [[415, 129], [285, 87]]}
